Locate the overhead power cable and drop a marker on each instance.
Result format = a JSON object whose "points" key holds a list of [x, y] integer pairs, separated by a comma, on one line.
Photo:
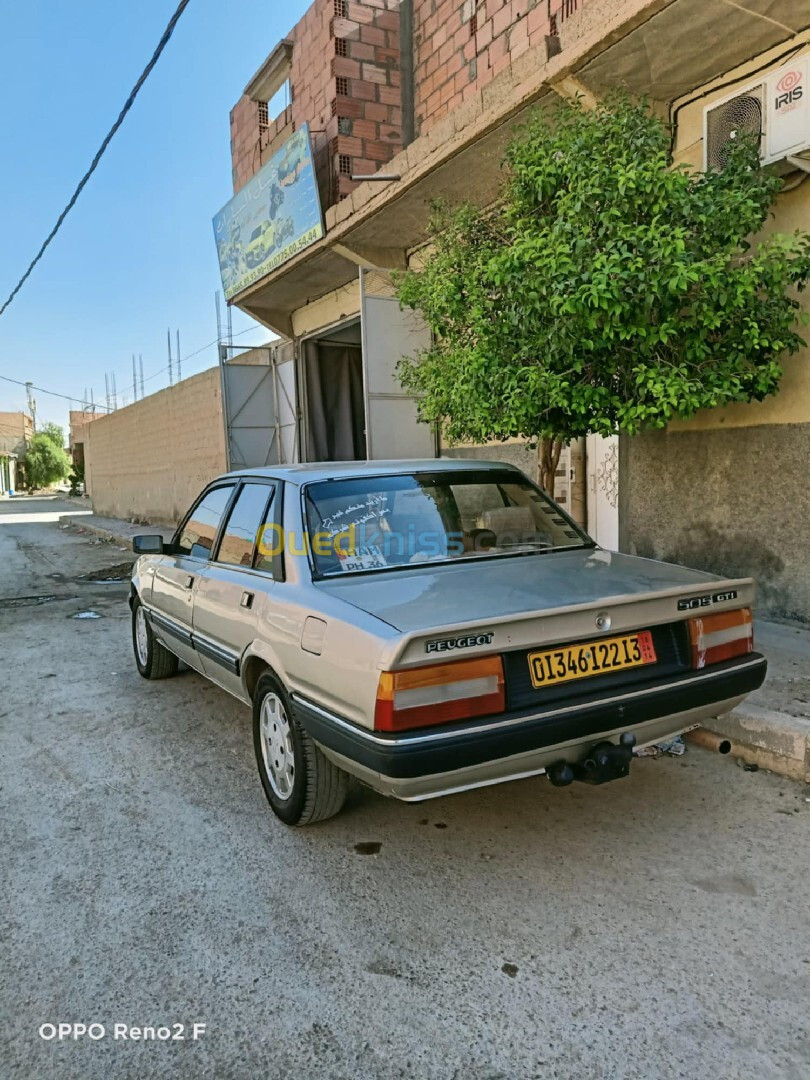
{"points": [[196, 352], [53, 393], [167, 33], [79, 400]]}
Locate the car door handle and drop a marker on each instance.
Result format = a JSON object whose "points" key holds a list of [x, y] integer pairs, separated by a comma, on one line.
{"points": [[187, 584], [247, 600]]}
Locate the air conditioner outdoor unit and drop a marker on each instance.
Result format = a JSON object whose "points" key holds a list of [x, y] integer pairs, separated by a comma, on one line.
{"points": [[776, 108]]}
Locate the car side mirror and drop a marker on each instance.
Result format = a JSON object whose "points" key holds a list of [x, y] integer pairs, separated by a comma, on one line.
{"points": [[148, 544]]}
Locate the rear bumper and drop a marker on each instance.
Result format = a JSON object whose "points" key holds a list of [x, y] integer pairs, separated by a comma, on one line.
{"points": [[432, 762]]}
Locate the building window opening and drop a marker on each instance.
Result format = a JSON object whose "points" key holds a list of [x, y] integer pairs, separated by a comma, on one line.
{"points": [[279, 101]]}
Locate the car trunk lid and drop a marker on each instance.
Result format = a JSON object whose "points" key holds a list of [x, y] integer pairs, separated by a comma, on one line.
{"points": [[509, 603]]}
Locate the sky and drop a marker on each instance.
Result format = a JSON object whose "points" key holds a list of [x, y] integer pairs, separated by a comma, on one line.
{"points": [[136, 255]]}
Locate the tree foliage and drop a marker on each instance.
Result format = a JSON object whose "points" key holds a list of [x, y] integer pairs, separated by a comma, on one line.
{"points": [[45, 459], [606, 291]]}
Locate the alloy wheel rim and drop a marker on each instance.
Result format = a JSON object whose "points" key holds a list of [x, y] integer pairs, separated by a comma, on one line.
{"points": [[277, 746], [141, 637]]}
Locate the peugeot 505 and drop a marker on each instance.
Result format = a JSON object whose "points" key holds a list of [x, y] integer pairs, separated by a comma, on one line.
{"points": [[426, 627]]}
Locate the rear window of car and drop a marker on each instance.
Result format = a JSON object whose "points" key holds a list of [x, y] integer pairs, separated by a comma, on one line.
{"points": [[241, 531], [199, 532], [383, 522]]}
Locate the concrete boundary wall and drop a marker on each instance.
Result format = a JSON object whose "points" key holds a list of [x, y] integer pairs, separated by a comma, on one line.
{"points": [[150, 460]]}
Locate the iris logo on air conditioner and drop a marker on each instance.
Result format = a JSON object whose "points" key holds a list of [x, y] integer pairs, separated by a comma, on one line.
{"points": [[789, 91]]}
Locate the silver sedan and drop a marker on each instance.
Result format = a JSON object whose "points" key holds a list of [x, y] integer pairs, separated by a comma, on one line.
{"points": [[430, 626]]}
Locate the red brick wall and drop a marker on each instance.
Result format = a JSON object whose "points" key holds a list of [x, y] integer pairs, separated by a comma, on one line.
{"points": [[345, 82], [461, 45]]}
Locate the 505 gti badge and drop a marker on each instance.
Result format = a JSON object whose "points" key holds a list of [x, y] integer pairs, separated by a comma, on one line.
{"points": [[695, 602], [445, 644]]}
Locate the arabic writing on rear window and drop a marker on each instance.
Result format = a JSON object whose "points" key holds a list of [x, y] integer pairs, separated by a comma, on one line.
{"points": [[373, 523]]}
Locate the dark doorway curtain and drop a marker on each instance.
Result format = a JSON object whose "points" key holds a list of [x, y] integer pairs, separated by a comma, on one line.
{"points": [[335, 407]]}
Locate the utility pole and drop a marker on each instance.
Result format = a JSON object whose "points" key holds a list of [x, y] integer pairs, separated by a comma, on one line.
{"points": [[134, 380], [179, 376], [169, 343], [32, 406], [221, 348], [140, 366], [114, 391], [107, 389]]}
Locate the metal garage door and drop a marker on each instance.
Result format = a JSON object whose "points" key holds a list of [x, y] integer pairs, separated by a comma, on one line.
{"points": [[261, 410], [388, 334]]}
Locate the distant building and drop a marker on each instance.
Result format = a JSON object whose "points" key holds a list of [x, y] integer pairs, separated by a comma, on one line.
{"points": [[79, 420], [16, 430]]}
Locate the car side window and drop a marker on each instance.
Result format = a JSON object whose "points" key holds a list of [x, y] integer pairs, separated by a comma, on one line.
{"points": [[268, 546], [241, 531], [199, 532]]}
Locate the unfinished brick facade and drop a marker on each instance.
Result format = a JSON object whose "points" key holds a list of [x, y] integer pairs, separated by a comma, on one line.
{"points": [[461, 45], [16, 429], [345, 81]]}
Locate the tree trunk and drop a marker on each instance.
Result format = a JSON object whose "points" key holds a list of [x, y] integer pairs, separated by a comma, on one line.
{"points": [[548, 458]]}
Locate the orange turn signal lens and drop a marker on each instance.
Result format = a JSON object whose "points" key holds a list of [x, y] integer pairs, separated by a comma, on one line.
{"points": [[439, 694], [721, 637]]}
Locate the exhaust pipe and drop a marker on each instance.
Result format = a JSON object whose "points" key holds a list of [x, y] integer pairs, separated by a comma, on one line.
{"points": [[709, 740]]}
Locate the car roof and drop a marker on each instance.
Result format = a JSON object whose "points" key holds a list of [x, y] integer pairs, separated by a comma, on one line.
{"points": [[308, 472]]}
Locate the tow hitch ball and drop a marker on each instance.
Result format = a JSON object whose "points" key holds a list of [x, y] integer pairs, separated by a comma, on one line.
{"points": [[603, 762]]}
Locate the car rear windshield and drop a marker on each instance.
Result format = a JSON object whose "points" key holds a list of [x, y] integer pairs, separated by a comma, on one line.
{"points": [[381, 522]]}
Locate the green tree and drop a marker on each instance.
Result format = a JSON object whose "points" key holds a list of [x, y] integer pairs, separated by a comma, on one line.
{"points": [[605, 291], [46, 460]]}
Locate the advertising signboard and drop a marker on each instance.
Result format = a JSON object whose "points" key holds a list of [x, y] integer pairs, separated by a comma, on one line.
{"points": [[274, 216]]}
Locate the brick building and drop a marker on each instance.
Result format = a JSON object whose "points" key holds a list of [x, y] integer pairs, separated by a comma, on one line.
{"points": [[424, 95], [16, 430], [339, 70]]}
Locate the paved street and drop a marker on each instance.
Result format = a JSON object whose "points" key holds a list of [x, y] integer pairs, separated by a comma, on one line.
{"points": [[656, 927]]}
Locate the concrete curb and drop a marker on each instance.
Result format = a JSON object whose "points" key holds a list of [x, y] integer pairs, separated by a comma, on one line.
{"points": [[773, 740], [97, 530]]}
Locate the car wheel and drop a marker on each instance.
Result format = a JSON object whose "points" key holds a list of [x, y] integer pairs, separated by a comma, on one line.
{"points": [[300, 782], [154, 660]]}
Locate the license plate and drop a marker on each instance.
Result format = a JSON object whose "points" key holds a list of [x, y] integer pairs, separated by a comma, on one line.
{"points": [[552, 666]]}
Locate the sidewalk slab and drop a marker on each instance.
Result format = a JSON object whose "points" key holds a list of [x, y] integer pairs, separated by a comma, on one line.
{"points": [[772, 740], [113, 529], [771, 728]]}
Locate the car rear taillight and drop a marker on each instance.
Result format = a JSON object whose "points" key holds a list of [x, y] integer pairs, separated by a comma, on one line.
{"points": [[439, 694], [721, 636]]}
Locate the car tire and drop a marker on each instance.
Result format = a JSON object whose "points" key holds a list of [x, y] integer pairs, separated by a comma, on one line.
{"points": [[154, 660], [300, 782]]}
